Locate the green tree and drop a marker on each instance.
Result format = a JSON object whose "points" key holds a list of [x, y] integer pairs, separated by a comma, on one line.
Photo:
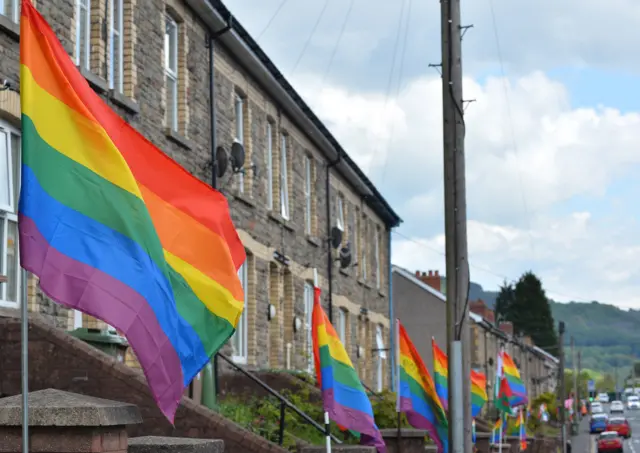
{"points": [[606, 383], [636, 369], [530, 312], [504, 300]]}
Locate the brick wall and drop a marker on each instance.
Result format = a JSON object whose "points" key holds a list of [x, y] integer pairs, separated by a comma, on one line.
{"points": [[57, 360]]}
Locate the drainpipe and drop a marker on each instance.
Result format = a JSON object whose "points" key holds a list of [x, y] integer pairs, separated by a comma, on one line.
{"points": [[213, 36], [330, 165], [392, 319]]}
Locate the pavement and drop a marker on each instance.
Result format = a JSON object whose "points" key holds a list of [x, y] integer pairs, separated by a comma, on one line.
{"points": [[585, 442]]}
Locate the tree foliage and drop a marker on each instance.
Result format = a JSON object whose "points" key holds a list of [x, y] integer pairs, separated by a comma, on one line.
{"points": [[504, 301]]}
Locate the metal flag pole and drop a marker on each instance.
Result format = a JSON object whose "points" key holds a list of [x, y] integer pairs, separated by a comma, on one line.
{"points": [[24, 320], [327, 422]]}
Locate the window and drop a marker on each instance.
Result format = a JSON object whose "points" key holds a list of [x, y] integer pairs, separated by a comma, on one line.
{"points": [[239, 338], [308, 314], [342, 327], [340, 213], [355, 234], [83, 33], [376, 244], [171, 71], [9, 195], [364, 250], [116, 49], [239, 111], [284, 178], [269, 166], [9, 8], [307, 195], [382, 355]]}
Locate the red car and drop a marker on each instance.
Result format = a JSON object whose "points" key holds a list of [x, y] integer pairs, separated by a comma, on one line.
{"points": [[619, 425], [610, 442]]}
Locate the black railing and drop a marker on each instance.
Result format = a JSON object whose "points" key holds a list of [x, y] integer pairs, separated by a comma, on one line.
{"points": [[284, 403], [372, 392]]}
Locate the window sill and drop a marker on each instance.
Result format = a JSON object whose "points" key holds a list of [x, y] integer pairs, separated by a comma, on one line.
{"points": [[313, 241], [175, 137], [244, 199], [9, 27], [382, 293], [122, 101], [345, 272], [97, 83], [280, 220]]}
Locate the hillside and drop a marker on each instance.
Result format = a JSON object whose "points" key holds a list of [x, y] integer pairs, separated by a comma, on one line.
{"points": [[608, 337]]}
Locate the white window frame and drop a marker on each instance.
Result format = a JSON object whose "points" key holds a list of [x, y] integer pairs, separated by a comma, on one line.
{"points": [[171, 73], [365, 226], [307, 194], [116, 29], [284, 178], [342, 326], [382, 355], [77, 319], [308, 295], [376, 244], [238, 106], [13, 14], [340, 212], [269, 153], [241, 352], [8, 213], [83, 63], [355, 232]]}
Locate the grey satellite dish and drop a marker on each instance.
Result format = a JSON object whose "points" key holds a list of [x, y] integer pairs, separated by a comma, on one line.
{"points": [[345, 257], [237, 156], [336, 237], [222, 161]]}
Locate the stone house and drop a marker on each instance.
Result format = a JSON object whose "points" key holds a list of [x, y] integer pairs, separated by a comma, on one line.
{"points": [[150, 60]]}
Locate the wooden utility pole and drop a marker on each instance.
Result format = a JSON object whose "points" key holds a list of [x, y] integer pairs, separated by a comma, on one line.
{"points": [[575, 377], [578, 396], [457, 266], [562, 394]]}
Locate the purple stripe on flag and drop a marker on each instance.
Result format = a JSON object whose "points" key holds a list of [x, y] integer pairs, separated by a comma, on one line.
{"points": [[77, 285], [419, 421]]}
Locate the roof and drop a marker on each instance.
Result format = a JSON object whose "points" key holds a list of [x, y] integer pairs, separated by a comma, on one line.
{"points": [[416, 281], [255, 61], [545, 353]]}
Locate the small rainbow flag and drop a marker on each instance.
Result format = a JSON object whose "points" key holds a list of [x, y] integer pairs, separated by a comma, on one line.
{"points": [[518, 395], [440, 373], [343, 395], [117, 229], [417, 396], [497, 433], [478, 392]]}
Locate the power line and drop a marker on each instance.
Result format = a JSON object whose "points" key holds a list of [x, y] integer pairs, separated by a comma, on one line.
{"points": [[337, 45], [308, 41], [270, 21]]}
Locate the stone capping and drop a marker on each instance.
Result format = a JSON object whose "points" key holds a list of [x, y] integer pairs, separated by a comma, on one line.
{"points": [[53, 407], [404, 433], [158, 444]]}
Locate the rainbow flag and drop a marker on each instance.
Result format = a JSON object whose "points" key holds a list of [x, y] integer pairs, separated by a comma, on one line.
{"points": [[108, 235], [518, 395], [440, 373], [473, 431], [497, 433], [417, 396], [343, 395], [478, 392]]}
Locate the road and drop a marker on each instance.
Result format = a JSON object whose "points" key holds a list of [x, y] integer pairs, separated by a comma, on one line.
{"points": [[585, 443]]}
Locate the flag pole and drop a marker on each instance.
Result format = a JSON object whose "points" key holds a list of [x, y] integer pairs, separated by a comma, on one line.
{"points": [[396, 352], [327, 423], [24, 321], [502, 421]]}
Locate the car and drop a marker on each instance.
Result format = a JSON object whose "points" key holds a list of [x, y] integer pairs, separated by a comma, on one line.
{"points": [[616, 406], [610, 442], [633, 402], [603, 397], [619, 425], [598, 423], [596, 404], [597, 410]]}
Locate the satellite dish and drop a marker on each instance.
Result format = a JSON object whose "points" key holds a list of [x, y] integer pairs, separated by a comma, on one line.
{"points": [[345, 257], [336, 237], [222, 161], [237, 156]]}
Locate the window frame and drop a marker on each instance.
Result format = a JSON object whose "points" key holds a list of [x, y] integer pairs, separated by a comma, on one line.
{"points": [[342, 326], [307, 195], [86, 64], [116, 29], [171, 73], [241, 335], [365, 227], [340, 222], [308, 300], [382, 355], [376, 245], [285, 208], [13, 15], [269, 157]]}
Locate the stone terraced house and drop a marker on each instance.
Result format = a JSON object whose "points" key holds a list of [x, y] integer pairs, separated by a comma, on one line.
{"points": [[150, 61]]}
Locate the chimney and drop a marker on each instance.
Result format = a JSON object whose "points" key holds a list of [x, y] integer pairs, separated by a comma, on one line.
{"points": [[506, 327], [432, 279]]}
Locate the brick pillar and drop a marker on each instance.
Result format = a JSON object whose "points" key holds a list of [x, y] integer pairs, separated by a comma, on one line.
{"points": [[63, 422]]}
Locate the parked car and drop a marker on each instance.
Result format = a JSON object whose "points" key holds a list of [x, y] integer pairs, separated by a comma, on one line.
{"points": [[616, 407], [633, 402], [603, 397], [610, 442], [598, 423], [597, 409], [619, 425]]}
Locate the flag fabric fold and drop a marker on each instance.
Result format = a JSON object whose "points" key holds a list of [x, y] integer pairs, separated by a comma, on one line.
{"points": [[518, 391], [417, 396], [108, 235], [440, 373], [343, 395], [478, 392]]}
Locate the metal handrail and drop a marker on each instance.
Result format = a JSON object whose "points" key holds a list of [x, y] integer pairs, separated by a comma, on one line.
{"points": [[284, 403], [372, 392]]}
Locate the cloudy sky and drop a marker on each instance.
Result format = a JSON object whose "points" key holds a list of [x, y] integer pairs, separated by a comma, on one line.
{"points": [[553, 137]]}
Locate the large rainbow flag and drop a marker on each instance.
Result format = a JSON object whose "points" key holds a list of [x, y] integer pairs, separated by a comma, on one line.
{"points": [[478, 392], [343, 395], [518, 395], [440, 373], [417, 396], [115, 228]]}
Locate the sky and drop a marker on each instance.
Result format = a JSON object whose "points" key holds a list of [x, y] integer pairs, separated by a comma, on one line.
{"points": [[553, 132]]}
